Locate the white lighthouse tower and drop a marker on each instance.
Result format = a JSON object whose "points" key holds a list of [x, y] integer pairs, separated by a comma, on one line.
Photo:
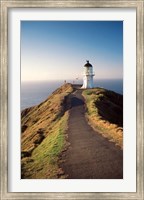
{"points": [[88, 76]]}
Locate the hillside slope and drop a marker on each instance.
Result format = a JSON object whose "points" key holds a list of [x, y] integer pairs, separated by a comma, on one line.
{"points": [[42, 140], [105, 113], [45, 128]]}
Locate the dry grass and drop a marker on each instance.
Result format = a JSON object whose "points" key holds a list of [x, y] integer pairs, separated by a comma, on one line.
{"points": [[105, 113], [43, 135]]}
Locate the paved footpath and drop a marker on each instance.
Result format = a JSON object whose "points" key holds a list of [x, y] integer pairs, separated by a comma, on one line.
{"points": [[90, 155]]}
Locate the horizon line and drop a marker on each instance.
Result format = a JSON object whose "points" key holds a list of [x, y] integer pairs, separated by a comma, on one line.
{"points": [[70, 80]]}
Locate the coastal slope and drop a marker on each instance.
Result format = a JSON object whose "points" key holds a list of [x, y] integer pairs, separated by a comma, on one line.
{"points": [[43, 127], [58, 138], [105, 113]]}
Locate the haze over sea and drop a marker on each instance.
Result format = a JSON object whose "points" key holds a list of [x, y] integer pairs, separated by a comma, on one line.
{"points": [[33, 93]]}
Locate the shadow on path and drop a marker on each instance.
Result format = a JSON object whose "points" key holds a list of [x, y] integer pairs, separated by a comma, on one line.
{"points": [[76, 102]]}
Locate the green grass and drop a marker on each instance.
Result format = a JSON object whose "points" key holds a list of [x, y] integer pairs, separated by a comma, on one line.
{"points": [[43, 162], [43, 136]]}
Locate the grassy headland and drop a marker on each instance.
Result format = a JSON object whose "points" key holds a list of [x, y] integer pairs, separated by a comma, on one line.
{"points": [[105, 113], [44, 128], [43, 135]]}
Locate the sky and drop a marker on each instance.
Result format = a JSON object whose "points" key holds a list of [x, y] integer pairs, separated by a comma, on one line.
{"points": [[58, 50]]}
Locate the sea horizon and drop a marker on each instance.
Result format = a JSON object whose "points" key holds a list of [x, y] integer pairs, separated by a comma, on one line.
{"points": [[34, 92]]}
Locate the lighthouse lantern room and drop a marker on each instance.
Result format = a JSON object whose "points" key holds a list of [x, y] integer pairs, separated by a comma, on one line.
{"points": [[88, 75]]}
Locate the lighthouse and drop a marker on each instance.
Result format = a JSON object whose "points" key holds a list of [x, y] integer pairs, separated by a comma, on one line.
{"points": [[88, 75]]}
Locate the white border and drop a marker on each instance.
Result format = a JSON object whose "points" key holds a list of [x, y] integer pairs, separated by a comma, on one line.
{"points": [[128, 184]]}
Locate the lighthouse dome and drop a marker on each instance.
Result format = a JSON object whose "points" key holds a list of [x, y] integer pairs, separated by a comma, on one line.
{"points": [[87, 64]]}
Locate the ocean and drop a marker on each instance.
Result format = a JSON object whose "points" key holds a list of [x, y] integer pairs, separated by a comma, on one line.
{"points": [[33, 93]]}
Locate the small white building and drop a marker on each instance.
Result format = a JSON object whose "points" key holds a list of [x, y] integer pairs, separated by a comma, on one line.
{"points": [[88, 76]]}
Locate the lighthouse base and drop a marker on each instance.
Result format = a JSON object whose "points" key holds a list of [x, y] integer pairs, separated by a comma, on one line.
{"points": [[87, 83], [87, 87]]}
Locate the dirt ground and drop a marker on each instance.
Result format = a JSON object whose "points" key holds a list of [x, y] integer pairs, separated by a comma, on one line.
{"points": [[90, 155]]}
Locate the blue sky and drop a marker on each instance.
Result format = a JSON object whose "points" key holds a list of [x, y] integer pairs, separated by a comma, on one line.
{"points": [[58, 50]]}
